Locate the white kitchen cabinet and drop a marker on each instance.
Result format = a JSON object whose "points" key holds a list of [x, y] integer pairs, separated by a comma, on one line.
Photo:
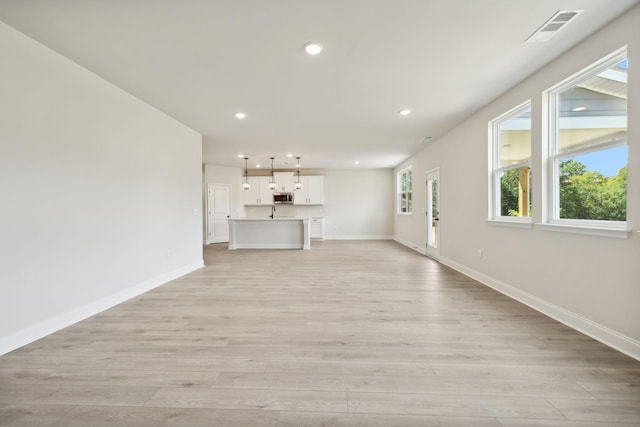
{"points": [[316, 228], [312, 192], [315, 190], [284, 181], [258, 193]]}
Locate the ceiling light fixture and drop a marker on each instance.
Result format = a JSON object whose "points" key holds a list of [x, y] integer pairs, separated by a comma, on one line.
{"points": [[245, 184], [272, 179], [356, 162], [240, 115], [313, 48], [298, 184], [240, 156], [404, 112]]}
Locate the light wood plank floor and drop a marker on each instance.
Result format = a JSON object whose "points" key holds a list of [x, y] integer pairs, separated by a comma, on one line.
{"points": [[365, 333]]}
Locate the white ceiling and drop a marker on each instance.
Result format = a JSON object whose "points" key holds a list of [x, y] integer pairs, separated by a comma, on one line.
{"points": [[201, 61]]}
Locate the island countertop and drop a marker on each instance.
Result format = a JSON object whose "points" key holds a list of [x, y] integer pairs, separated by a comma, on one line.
{"points": [[277, 218], [268, 233]]}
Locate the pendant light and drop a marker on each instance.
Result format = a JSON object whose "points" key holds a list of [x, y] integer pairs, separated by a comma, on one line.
{"points": [[298, 183], [272, 180], [245, 184]]}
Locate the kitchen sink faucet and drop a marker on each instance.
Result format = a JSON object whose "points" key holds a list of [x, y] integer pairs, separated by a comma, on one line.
{"points": [[273, 210]]}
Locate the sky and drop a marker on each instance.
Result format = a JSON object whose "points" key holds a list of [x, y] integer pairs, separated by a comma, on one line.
{"points": [[607, 162]]}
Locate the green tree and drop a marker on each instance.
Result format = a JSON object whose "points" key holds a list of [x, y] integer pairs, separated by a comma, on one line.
{"points": [[509, 187], [590, 195]]}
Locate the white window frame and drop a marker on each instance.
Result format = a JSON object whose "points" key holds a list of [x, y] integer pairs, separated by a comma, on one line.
{"points": [[399, 192], [551, 219], [495, 171]]}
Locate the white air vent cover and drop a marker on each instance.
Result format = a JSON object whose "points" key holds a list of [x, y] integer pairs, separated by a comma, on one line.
{"points": [[554, 24]]}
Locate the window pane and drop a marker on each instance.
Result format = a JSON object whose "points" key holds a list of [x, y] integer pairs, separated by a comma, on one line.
{"points": [[515, 139], [433, 235], [434, 198], [594, 110], [404, 191], [594, 185], [403, 202], [511, 163], [515, 193]]}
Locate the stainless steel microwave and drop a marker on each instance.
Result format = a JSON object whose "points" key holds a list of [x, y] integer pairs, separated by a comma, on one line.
{"points": [[282, 198]]}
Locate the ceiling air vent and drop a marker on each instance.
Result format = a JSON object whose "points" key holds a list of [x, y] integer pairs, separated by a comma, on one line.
{"points": [[554, 24]]}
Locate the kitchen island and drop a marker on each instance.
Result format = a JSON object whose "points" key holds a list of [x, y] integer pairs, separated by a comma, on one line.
{"points": [[268, 233]]}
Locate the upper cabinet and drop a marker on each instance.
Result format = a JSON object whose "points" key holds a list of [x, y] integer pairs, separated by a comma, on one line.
{"points": [[284, 181], [258, 193], [312, 192]]}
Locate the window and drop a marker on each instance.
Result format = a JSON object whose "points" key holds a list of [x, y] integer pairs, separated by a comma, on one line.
{"points": [[404, 191], [587, 161], [510, 140]]}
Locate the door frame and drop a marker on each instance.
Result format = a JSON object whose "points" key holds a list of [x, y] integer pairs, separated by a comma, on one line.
{"points": [[431, 251], [210, 187]]}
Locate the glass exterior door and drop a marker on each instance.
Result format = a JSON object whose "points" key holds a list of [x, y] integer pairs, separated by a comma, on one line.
{"points": [[433, 213]]}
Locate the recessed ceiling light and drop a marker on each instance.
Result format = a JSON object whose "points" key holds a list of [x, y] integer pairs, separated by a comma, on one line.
{"points": [[356, 162], [241, 156], [579, 108], [313, 48], [404, 112], [240, 115], [289, 155], [258, 165]]}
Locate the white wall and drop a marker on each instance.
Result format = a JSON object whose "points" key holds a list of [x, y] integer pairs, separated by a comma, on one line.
{"points": [[98, 193], [591, 283], [358, 202]]}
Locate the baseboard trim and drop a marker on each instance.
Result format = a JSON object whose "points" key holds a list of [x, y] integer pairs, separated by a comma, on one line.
{"points": [[605, 335], [347, 237], [61, 321], [266, 246], [410, 245]]}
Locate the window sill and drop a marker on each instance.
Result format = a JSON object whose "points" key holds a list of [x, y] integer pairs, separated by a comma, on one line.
{"points": [[618, 233], [404, 213], [512, 223]]}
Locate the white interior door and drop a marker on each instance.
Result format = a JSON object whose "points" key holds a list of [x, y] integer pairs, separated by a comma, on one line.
{"points": [[433, 213], [219, 210]]}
